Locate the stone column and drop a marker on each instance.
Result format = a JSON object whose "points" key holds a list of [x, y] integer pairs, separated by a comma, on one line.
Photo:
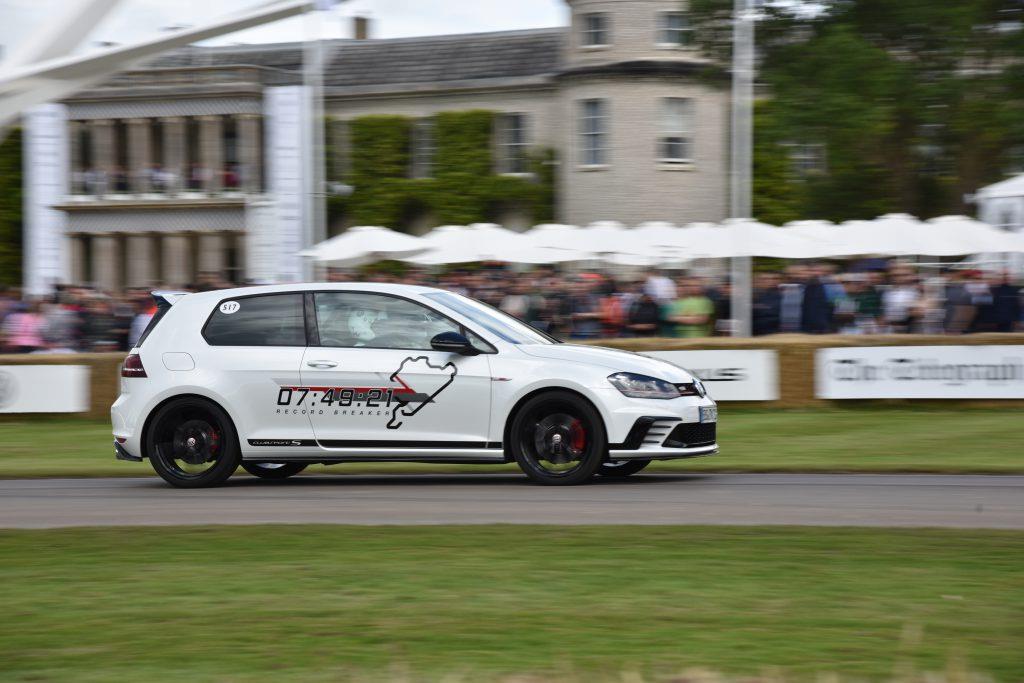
{"points": [[105, 270], [176, 267], [211, 139], [174, 152], [250, 150], [139, 155], [76, 177], [212, 253], [101, 134], [140, 261], [76, 256]]}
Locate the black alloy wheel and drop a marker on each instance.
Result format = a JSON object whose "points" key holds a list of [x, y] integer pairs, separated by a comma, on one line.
{"points": [[273, 470], [558, 438], [191, 443], [621, 468]]}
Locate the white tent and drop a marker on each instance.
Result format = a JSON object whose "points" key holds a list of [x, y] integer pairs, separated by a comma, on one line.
{"points": [[364, 244], [894, 234], [552, 243], [612, 242], [664, 243], [467, 244], [753, 238], [961, 235]]}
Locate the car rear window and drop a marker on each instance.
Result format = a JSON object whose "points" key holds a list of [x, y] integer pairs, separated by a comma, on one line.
{"points": [[266, 320], [162, 306]]}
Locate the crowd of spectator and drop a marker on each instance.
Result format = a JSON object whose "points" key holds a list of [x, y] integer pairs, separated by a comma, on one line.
{"points": [[888, 297], [803, 298], [78, 319], [96, 181]]}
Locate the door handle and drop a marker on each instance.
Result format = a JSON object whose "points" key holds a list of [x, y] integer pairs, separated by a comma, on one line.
{"points": [[321, 364]]}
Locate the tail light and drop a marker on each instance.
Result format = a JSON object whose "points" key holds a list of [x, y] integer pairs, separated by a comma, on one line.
{"points": [[132, 366]]}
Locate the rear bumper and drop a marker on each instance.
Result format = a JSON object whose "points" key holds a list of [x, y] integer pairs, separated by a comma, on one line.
{"points": [[122, 454]]}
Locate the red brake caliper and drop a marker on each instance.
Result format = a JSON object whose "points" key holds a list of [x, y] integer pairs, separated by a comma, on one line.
{"points": [[577, 436]]}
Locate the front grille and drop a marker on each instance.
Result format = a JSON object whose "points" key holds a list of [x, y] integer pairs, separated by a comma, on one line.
{"points": [[691, 435]]}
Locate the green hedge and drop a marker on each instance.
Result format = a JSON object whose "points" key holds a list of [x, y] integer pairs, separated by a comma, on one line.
{"points": [[10, 209], [463, 189]]}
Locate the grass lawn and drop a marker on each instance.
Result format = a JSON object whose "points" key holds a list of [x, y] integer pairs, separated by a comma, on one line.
{"points": [[848, 440], [331, 603]]}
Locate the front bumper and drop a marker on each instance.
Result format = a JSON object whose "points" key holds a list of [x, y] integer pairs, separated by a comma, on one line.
{"points": [[654, 437]]}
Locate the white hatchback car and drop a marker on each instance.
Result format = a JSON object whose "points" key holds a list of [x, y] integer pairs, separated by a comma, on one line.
{"points": [[276, 378]]}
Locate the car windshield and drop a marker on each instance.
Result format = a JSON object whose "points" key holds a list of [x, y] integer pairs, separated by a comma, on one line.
{"points": [[502, 325]]}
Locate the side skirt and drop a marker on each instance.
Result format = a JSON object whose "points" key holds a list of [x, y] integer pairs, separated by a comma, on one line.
{"points": [[481, 455]]}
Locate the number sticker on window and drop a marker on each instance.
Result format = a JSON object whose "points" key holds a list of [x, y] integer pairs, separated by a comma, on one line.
{"points": [[229, 307]]}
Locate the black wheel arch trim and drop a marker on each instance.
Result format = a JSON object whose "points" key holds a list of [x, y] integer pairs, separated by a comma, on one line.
{"points": [[507, 430], [148, 423]]}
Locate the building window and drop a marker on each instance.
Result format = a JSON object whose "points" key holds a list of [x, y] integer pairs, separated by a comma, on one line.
{"points": [[595, 30], [593, 132], [806, 158], [676, 143], [674, 29], [512, 143], [423, 149]]}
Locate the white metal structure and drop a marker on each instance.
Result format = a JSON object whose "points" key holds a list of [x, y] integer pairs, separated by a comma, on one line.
{"points": [[46, 73], [742, 157], [274, 378]]}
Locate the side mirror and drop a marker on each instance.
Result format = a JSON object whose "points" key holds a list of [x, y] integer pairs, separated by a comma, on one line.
{"points": [[453, 342]]}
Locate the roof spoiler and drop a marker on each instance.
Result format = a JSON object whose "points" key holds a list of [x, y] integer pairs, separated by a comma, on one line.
{"points": [[167, 298]]}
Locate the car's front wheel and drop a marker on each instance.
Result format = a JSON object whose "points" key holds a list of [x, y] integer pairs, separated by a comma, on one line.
{"points": [[191, 443], [621, 468], [273, 470], [558, 438]]}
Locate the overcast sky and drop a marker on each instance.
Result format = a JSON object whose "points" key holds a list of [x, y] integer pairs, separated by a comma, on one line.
{"points": [[392, 18]]}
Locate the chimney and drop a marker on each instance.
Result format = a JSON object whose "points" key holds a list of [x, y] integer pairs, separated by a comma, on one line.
{"points": [[361, 28]]}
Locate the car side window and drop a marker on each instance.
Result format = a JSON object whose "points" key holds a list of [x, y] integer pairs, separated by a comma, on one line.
{"points": [[356, 319], [265, 320]]}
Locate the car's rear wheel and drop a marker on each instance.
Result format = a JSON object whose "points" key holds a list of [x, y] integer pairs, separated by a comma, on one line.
{"points": [[192, 443], [273, 470], [558, 438], [621, 468]]}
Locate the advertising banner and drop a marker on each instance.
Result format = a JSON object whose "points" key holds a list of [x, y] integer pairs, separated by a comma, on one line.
{"points": [[920, 372], [44, 388], [729, 375]]}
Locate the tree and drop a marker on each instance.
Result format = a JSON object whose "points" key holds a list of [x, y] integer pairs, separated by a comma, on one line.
{"points": [[10, 209], [916, 102]]}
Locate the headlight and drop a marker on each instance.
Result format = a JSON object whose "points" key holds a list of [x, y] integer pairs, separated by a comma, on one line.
{"points": [[694, 388], [642, 386]]}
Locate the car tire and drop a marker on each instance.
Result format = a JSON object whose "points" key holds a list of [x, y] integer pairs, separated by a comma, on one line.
{"points": [[192, 443], [558, 438], [273, 470], [621, 468]]}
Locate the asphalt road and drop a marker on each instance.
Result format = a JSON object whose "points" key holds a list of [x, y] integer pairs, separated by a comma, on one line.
{"points": [[830, 499]]}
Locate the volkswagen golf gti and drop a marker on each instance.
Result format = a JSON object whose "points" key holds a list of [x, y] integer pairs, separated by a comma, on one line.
{"points": [[276, 378]]}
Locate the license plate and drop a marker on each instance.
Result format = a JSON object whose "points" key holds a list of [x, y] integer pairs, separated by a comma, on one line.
{"points": [[709, 413]]}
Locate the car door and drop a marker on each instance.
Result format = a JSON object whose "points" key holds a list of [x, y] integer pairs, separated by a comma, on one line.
{"points": [[256, 344], [374, 381]]}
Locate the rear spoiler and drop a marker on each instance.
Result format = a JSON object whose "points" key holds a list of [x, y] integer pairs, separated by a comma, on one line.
{"points": [[167, 298]]}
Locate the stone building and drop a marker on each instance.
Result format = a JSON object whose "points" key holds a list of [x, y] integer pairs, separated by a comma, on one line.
{"points": [[166, 160]]}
